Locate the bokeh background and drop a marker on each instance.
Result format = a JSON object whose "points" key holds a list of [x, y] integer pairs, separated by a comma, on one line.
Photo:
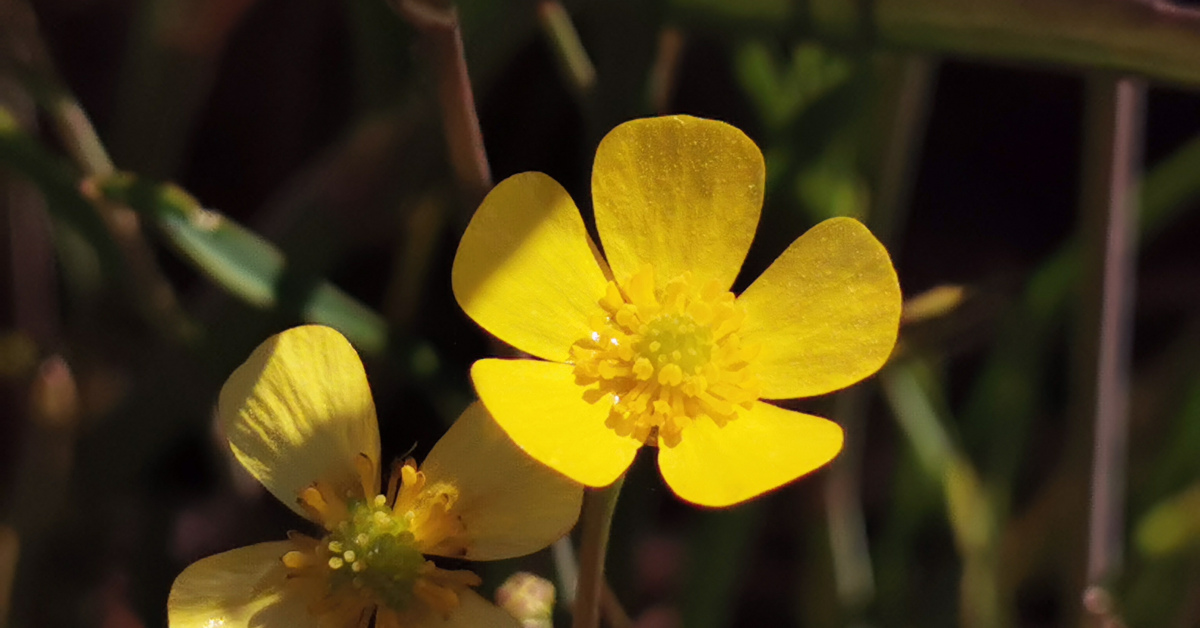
{"points": [[328, 128]]}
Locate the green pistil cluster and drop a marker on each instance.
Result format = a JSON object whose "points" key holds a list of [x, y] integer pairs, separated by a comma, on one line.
{"points": [[374, 549], [676, 339]]}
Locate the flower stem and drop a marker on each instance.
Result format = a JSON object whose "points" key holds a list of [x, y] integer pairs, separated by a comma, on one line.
{"points": [[598, 507]]}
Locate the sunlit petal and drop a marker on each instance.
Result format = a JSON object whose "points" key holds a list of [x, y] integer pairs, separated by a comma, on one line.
{"points": [[679, 193], [299, 410], [511, 504], [764, 448], [825, 314], [240, 588], [525, 268], [473, 612], [539, 405]]}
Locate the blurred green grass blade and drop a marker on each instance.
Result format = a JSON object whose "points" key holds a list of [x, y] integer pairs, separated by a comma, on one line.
{"points": [[59, 183], [1010, 388], [1170, 187], [915, 395], [1172, 526], [914, 410], [750, 13], [718, 548], [1177, 462], [244, 263], [1154, 39]]}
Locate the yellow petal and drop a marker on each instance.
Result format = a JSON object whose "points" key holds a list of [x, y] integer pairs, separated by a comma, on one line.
{"points": [[825, 313], [542, 409], [300, 410], [240, 588], [473, 612], [680, 193], [764, 448], [525, 268], [511, 504]]}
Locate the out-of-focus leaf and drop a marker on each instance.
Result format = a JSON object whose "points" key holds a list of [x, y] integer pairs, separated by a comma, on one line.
{"points": [[832, 186], [1008, 391], [243, 262], [1170, 187], [782, 93], [58, 182], [812, 104], [752, 11], [718, 548], [1172, 525], [1155, 39]]}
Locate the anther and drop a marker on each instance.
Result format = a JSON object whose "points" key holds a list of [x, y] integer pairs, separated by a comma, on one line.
{"points": [[666, 355]]}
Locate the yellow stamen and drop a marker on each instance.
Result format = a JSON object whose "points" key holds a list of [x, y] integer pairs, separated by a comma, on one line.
{"points": [[372, 557], [664, 359], [323, 504], [368, 476], [296, 560]]}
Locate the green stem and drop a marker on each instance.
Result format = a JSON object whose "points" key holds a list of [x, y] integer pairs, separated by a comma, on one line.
{"points": [[598, 507], [572, 57], [1154, 39]]}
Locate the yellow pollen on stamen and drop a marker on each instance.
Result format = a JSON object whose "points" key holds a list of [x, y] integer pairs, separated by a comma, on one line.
{"points": [[373, 554], [664, 358]]}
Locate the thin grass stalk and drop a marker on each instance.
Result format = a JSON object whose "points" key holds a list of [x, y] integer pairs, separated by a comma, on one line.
{"points": [[573, 61], [154, 294], [441, 37], [1115, 134]]}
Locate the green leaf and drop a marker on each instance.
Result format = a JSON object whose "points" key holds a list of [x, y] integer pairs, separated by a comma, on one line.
{"points": [[244, 263], [59, 183]]}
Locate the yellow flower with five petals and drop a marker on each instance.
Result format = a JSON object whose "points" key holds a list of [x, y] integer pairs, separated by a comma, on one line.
{"points": [[299, 416], [645, 344]]}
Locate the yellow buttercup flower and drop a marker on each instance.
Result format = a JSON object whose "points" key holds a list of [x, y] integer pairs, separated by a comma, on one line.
{"points": [[299, 416], [646, 344]]}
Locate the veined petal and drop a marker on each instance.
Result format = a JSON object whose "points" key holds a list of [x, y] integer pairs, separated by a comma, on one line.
{"points": [[238, 589], [299, 410], [473, 612], [825, 313], [679, 193], [526, 270], [511, 504], [764, 448], [542, 409]]}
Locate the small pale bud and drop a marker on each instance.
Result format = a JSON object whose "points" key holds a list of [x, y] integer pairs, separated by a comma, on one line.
{"points": [[528, 598]]}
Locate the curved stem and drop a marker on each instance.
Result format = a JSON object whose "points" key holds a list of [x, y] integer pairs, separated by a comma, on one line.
{"points": [[598, 507]]}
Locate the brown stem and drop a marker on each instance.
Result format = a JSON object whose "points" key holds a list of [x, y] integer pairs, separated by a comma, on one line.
{"points": [[852, 569], [442, 38], [1114, 127], [666, 69], [153, 293]]}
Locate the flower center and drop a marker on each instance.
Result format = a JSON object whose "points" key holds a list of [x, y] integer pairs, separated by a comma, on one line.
{"points": [[675, 339], [373, 553], [374, 549], [666, 358]]}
